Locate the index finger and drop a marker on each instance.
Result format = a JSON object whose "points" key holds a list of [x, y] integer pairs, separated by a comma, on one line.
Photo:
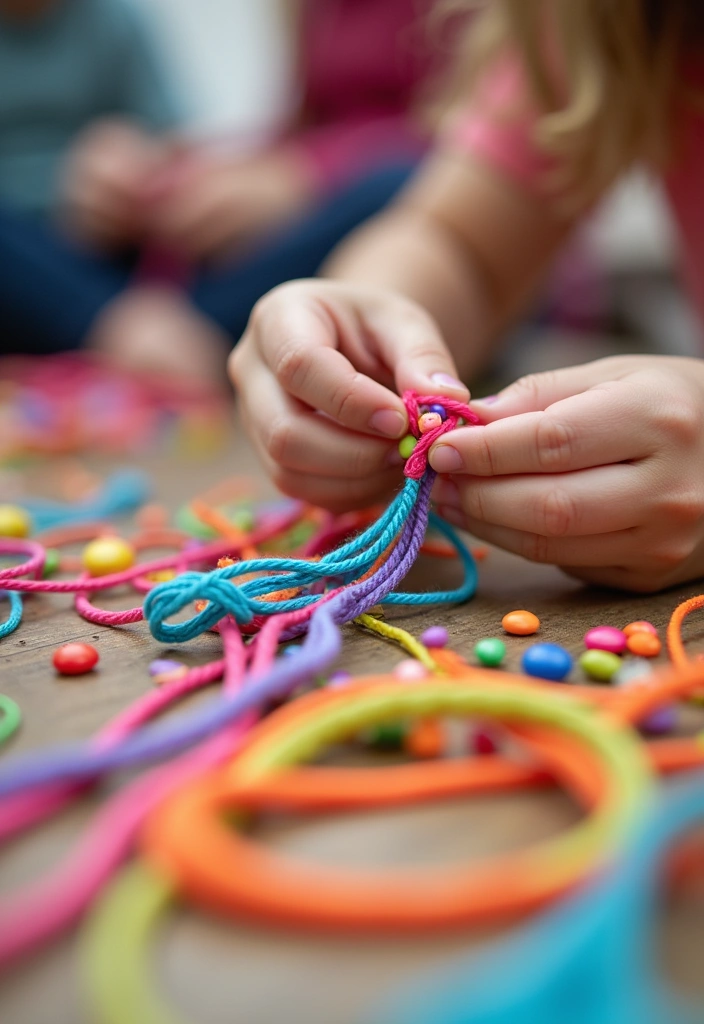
{"points": [[298, 340], [595, 428]]}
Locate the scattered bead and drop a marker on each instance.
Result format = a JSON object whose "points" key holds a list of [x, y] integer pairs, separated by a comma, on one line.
{"points": [[439, 410], [52, 562], [599, 664], [409, 669], [291, 650], [161, 576], [633, 672], [106, 555], [490, 651], [547, 661], [646, 645], [435, 636], [339, 679], [641, 626], [606, 638], [521, 623], [14, 522], [483, 743], [429, 421], [406, 445], [161, 665], [659, 722], [388, 736], [425, 738], [75, 659], [172, 676]]}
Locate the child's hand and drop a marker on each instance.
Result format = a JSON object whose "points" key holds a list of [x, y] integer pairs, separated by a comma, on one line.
{"points": [[105, 181], [319, 372], [218, 205], [597, 468]]}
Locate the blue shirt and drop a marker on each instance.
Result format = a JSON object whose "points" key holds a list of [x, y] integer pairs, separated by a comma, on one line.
{"points": [[77, 61]]}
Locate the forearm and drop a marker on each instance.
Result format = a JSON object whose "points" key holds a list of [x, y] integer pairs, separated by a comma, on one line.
{"points": [[463, 243], [412, 254]]}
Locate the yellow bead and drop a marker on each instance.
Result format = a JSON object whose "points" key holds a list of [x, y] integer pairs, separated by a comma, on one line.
{"points": [[14, 522], [106, 555]]}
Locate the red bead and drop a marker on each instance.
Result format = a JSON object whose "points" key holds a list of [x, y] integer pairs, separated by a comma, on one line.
{"points": [[75, 659]]}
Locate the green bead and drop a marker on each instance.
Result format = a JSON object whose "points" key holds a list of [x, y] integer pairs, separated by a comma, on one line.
{"points": [[388, 736], [491, 651], [406, 445], [189, 522], [601, 665], [243, 519], [51, 562]]}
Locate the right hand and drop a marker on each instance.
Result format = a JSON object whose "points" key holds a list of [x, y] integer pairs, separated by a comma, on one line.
{"points": [[105, 181], [319, 371]]}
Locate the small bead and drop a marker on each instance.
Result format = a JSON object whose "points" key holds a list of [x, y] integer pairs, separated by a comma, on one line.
{"points": [[490, 651], [606, 638], [633, 672], [52, 562], [641, 626], [483, 743], [161, 665], [389, 736], [429, 421], [645, 645], [521, 623], [435, 636], [425, 738], [659, 722], [598, 664], [75, 659], [409, 668], [547, 661], [161, 576], [106, 555], [440, 410], [172, 676], [406, 445], [339, 679], [291, 650], [14, 522]]}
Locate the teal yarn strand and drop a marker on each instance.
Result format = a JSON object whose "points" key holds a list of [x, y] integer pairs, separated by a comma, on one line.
{"points": [[348, 562], [15, 617]]}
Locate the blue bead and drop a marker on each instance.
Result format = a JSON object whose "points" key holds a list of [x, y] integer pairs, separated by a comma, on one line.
{"points": [[547, 661], [439, 409]]}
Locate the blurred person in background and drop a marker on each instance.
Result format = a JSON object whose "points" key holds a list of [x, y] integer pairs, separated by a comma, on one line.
{"points": [[119, 235]]}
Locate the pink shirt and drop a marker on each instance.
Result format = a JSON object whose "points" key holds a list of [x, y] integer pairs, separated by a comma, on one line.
{"points": [[498, 129]]}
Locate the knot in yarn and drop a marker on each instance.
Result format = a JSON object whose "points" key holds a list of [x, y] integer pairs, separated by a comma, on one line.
{"points": [[417, 462], [167, 599]]}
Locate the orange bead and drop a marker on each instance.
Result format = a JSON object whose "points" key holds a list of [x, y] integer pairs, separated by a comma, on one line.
{"points": [[640, 627], [425, 739], [644, 644], [521, 623]]}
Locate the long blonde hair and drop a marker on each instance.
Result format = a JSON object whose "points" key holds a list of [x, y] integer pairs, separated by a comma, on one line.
{"points": [[602, 72]]}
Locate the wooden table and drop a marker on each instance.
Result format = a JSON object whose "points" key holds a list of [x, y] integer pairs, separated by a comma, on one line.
{"points": [[218, 973]]}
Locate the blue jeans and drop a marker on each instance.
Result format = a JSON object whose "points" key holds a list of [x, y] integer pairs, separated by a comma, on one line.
{"points": [[51, 291]]}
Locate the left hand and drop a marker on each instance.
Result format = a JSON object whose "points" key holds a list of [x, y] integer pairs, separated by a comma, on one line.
{"points": [[218, 205], [597, 468]]}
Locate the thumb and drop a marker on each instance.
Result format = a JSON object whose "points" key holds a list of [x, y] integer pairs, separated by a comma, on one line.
{"points": [[411, 345], [537, 391]]}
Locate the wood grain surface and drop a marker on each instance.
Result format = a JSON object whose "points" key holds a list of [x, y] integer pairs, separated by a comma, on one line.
{"points": [[219, 973]]}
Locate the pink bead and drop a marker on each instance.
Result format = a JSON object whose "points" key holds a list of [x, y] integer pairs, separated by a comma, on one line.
{"points": [[606, 638], [484, 743], [429, 421], [410, 669]]}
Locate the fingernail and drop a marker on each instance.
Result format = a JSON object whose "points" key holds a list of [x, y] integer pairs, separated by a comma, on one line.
{"points": [[447, 381], [394, 457], [446, 493], [388, 422], [488, 400], [445, 459], [452, 515]]}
